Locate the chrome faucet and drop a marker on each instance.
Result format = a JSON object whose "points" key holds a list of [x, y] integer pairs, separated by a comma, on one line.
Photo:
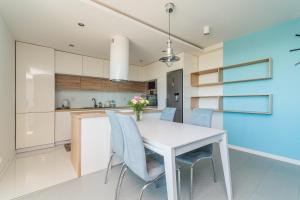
{"points": [[95, 102]]}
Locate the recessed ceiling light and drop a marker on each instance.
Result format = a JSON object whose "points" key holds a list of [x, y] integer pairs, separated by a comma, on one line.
{"points": [[71, 45], [81, 24], [206, 30]]}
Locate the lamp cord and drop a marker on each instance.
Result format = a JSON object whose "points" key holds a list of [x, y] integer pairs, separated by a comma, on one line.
{"points": [[169, 25]]}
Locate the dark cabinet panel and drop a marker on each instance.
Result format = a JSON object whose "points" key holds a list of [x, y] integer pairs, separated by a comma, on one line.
{"points": [[175, 93]]}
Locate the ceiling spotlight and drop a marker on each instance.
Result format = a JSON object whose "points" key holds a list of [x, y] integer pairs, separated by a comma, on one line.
{"points": [[206, 30], [81, 24], [71, 45]]}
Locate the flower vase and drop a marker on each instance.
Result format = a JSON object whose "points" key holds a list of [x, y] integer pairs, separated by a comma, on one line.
{"points": [[138, 115]]}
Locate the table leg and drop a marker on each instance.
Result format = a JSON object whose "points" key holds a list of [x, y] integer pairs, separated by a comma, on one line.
{"points": [[226, 165], [170, 169]]}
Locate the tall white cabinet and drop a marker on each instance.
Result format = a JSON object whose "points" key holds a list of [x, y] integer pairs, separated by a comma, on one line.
{"points": [[35, 96]]}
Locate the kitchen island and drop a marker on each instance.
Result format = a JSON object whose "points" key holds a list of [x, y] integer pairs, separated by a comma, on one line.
{"points": [[90, 146]]}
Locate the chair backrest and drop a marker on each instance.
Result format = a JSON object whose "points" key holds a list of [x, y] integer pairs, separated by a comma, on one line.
{"points": [[168, 114], [202, 117], [117, 142], [134, 150]]}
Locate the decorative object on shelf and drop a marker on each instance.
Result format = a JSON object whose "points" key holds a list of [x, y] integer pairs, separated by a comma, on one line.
{"points": [[138, 104], [195, 76], [269, 111], [298, 49], [170, 58], [65, 104]]}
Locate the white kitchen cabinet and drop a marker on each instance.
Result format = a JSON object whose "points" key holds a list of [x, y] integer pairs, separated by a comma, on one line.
{"points": [[34, 129], [134, 73], [35, 81], [62, 127], [106, 67], [68, 63], [92, 67]]}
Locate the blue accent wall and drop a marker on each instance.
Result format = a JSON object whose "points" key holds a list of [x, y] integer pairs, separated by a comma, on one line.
{"points": [[278, 133]]}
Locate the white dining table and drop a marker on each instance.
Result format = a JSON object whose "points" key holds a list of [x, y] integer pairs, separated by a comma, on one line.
{"points": [[171, 139]]}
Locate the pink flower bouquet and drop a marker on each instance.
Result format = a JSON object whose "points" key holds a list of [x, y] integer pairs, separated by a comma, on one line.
{"points": [[138, 104]]}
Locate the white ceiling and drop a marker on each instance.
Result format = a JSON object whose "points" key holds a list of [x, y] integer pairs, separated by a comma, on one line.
{"points": [[53, 23]]}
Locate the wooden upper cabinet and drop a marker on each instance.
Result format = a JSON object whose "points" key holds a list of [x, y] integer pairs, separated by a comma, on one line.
{"points": [[101, 84], [68, 63], [89, 83], [92, 67], [71, 82], [67, 82]]}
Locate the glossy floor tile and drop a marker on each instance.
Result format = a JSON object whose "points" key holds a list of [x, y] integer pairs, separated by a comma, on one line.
{"points": [[34, 171], [254, 178]]}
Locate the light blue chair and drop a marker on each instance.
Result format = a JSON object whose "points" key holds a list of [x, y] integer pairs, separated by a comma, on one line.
{"points": [[200, 117], [149, 168], [168, 114], [117, 143]]}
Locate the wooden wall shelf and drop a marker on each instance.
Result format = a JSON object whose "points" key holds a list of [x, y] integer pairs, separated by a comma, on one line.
{"points": [[195, 103], [71, 82], [195, 76]]}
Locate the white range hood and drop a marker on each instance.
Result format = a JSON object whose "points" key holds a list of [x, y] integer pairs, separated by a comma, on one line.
{"points": [[119, 58]]}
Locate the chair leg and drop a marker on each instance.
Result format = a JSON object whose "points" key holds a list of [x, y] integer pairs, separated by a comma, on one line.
{"points": [[191, 184], [143, 189], [157, 185], [179, 183], [149, 183], [108, 167], [120, 180], [214, 170]]}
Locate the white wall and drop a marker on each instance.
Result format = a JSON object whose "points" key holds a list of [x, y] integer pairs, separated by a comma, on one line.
{"points": [[79, 99], [210, 60], [7, 96], [190, 65]]}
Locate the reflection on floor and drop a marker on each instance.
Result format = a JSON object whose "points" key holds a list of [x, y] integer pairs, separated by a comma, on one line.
{"points": [[254, 178], [36, 170]]}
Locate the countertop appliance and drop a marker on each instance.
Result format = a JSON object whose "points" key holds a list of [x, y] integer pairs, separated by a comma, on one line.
{"points": [[152, 99], [151, 94], [151, 87], [65, 104]]}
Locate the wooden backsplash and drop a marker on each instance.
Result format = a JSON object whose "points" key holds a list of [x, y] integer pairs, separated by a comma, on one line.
{"points": [[71, 82]]}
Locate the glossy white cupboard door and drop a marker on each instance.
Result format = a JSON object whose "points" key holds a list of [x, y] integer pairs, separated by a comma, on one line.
{"points": [[92, 67], [106, 68], [62, 126], [134, 73], [34, 129], [35, 81], [68, 63]]}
